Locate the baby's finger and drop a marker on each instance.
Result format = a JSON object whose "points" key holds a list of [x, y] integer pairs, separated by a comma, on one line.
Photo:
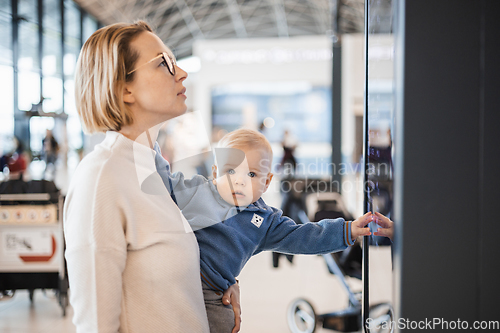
{"points": [[364, 220], [383, 233], [381, 216], [383, 224], [367, 215], [364, 232], [382, 220]]}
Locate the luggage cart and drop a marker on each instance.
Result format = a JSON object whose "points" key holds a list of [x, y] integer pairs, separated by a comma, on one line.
{"points": [[32, 245]]}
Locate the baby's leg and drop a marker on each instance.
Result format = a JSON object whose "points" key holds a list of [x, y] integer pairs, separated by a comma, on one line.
{"points": [[220, 316]]}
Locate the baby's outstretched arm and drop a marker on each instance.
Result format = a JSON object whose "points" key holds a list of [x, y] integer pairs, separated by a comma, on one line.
{"points": [[358, 226], [386, 226]]}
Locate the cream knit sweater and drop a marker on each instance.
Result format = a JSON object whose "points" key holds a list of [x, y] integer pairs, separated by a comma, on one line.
{"points": [[133, 262]]}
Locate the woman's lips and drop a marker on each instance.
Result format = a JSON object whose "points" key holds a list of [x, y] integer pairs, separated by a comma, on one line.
{"points": [[182, 92]]}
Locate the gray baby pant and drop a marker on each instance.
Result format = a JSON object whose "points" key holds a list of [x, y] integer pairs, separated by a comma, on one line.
{"points": [[220, 316]]}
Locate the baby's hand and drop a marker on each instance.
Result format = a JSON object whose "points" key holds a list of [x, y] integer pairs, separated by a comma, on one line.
{"points": [[358, 227], [387, 226]]}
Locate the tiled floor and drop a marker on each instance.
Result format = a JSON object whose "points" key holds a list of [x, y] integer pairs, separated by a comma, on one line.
{"points": [[44, 315]]}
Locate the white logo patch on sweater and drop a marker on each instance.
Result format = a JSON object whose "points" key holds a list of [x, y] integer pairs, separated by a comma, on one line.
{"points": [[257, 220]]}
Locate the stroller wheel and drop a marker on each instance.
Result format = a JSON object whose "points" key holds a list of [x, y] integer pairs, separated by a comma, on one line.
{"points": [[381, 318], [301, 317]]}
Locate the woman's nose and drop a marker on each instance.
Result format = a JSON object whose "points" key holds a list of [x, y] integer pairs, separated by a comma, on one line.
{"points": [[180, 74]]}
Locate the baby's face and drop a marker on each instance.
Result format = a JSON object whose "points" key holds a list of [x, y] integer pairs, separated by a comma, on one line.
{"points": [[243, 184]]}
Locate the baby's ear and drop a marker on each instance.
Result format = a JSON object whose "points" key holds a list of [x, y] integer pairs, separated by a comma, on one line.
{"points": [[214, 171], [268, 180]]}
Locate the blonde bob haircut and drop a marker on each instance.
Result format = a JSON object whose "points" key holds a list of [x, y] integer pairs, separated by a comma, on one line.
{"points": [[101, 74], [246, 138]]}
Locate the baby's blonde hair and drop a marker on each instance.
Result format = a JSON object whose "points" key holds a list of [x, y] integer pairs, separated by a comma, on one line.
{"points": [[246, 138], [101, 74]]}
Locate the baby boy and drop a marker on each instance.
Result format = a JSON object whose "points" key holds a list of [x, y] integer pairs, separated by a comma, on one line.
{"points": [[232, 222]]}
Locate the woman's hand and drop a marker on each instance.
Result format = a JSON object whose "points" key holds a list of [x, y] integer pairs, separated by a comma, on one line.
{"points": [[358, 226], [232, 296], [387, 226]]}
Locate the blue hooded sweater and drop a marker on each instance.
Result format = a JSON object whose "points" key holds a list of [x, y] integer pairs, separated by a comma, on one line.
{"points": [[228, 236]]}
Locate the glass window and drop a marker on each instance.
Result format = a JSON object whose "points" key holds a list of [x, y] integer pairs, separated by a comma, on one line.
{"points": [[6, 73], [6, 106], [51, 66], [72, 50], [72, 17], [28, 46], [7, 79], [29, 89], [89, 26], [28, 35], [28, 42], [52, 63], [52, 53], [28, 9], [72, 45], [72, 36], [51, 15], [5, 7], [53, 94], [29, 60], [5, 33]]}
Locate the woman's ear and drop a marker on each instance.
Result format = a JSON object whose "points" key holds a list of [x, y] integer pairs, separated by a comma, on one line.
{"points": [[128, 96]]}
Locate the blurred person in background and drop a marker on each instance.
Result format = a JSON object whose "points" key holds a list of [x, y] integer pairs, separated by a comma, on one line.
{"points": [[50, 148], [14, 168], [288, 162], [15, 162]]}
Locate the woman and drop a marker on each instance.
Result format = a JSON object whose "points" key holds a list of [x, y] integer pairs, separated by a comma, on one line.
{"points": [[132, 266]]}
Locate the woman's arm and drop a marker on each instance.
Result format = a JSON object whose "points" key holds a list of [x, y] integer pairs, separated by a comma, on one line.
{"points": [[95, 255]]}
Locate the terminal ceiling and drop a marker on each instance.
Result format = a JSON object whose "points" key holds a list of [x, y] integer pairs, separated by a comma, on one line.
{"points": [[180, 22]]}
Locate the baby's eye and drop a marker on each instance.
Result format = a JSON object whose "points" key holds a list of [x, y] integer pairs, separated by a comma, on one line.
{"points": [[163, 63], [252, 174], [231, 171]]}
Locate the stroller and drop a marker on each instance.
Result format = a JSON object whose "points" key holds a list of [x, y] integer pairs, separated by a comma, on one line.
{"points": [[301, 316]]}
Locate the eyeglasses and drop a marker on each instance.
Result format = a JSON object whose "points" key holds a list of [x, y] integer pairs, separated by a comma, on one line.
{"points": [[167, 60]]}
